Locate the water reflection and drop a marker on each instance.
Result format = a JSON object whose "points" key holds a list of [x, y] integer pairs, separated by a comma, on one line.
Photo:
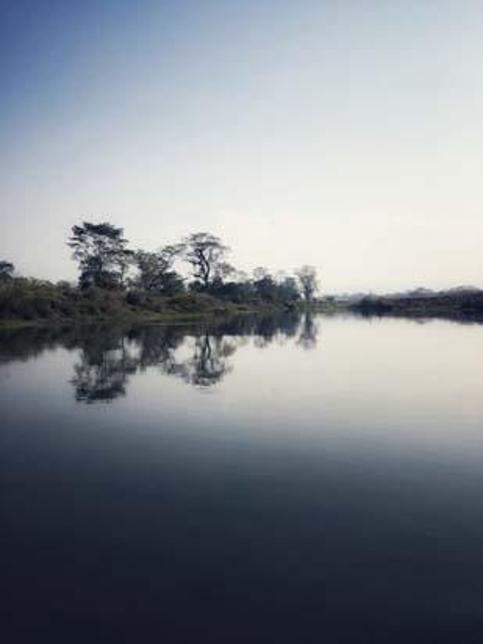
{"points": [[198, 354], [105, 365], [329, 494], [308, 333]]}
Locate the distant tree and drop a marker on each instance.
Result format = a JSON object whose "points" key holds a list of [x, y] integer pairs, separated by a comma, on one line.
{"points": [[307, 276], [259, 273], [173, 283], [281, 289], [155, 270], [240, 276], [264, 284], [102, 254], [6, 270], [223, 270], [288, 290], [206, 254]]}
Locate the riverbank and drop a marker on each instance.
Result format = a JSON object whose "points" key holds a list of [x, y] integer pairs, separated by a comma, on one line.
{"points": [[466, 305], [27, 302], [32, 302]]}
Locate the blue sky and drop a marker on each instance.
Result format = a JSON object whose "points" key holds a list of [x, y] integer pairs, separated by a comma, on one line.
{"points": [[342, 134]]}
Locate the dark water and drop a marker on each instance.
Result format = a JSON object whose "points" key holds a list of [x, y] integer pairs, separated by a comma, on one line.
{"points": [[261, 480]]}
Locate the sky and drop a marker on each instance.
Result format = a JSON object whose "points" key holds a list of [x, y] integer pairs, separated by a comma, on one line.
{"points": [[346, 134]]}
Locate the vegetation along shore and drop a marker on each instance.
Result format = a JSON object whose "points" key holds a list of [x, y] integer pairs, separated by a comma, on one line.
{"points": [[189, 279]]}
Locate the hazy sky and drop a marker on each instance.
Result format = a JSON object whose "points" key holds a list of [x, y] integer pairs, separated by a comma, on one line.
{"points": [[347, 134]]}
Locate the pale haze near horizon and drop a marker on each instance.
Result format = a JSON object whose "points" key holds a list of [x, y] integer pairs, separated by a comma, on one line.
{"points": [[346, 135]]}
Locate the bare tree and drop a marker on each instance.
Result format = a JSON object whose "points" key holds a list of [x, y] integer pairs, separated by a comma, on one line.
{"points": [[260, 273], [206, 254], [6, 270]]}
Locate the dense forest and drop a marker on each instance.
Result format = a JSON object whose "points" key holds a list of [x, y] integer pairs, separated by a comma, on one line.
{"points": [[192, 276]]}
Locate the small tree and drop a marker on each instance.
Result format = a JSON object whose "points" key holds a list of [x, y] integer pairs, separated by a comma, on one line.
{"points": [[264, 284], [155, 270], [206, 254], [288, 290], [102, 254], [6, 270], [259, 273], [307, 276]]}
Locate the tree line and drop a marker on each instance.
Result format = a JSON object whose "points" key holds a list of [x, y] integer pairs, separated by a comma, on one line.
{"points": [[191, 276], [106, 261]]}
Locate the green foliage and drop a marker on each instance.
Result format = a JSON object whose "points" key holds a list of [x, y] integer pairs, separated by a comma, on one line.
{"points": [[102, 254], [193, 303], [31, 299], [105, 291], [155, 272]]}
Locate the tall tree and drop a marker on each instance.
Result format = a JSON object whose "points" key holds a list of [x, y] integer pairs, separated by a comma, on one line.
{"points": [[307, 276], [102, 254], [6, 270], [206, 254]]}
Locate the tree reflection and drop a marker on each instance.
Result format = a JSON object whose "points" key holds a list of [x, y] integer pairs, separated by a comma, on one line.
{"points": [[209, 363], [199, 354], [308, 332], [104, 368]]}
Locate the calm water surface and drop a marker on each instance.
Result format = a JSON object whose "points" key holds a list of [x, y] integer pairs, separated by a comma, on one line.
{"points": [[259, 480]]}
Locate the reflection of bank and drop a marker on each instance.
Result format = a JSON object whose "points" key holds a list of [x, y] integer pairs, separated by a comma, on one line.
{"points": [[308, 332], [198, 354], [206, 363], [105, 366], [103, 371], [209, 363]]}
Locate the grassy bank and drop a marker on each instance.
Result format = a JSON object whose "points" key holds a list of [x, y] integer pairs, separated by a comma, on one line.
{"points": [[26, 302], [31, 302]]}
